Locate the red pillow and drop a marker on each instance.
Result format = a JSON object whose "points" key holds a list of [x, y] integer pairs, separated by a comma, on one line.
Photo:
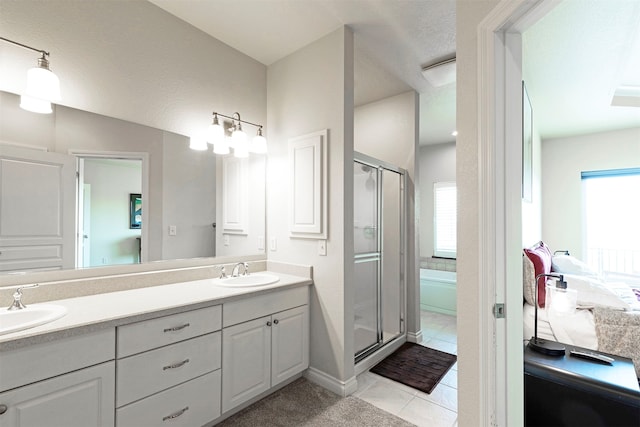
{"points": [[540, 256]]}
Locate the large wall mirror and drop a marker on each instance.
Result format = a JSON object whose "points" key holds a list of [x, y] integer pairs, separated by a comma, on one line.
{"points": [[81, 190]]}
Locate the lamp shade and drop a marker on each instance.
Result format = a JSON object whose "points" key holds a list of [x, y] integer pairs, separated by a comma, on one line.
{"points": [[221, 146], [240, 143], [35, 105], [259, 143], [198, 143], [43, 84], [215, 133]]}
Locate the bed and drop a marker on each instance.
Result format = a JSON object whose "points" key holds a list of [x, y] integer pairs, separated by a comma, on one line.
{"points": [[607, 314]]}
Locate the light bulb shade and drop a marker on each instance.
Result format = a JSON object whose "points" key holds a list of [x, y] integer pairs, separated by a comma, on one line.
{"points": [[259, 143], [215, 133], [240, 143], [221, 147], [43, 84], [35, 105], [198, 143]]}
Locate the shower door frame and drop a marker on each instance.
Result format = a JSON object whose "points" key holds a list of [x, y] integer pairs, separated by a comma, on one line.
{"points": [[380, 165]]}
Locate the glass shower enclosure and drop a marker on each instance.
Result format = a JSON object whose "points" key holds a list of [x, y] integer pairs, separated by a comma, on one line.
{"points": [[379, 244]]}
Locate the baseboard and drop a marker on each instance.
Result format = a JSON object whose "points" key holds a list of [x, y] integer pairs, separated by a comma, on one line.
{"points": [[415, 337], [341, 388]]}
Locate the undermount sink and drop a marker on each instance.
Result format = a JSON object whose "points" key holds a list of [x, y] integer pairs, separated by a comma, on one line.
{"points": [[29, 317], [253, 279]]}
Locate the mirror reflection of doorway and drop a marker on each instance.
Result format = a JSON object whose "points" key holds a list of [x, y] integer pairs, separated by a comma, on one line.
{"points": [[105, 236]]}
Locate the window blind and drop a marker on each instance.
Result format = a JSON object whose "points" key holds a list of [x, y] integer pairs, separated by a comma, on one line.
{"points": [[445, 219], [611, 208]]}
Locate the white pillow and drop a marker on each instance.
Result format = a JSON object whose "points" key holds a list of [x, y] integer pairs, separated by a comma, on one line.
{"points": [[625, 293], [571, 265], [594, 292]]}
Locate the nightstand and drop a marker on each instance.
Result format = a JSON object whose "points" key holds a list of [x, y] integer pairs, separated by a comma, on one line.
{"points": [[569, 391]]}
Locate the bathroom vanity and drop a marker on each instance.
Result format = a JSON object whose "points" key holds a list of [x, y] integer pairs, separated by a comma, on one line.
{"points": [[189, 353]]}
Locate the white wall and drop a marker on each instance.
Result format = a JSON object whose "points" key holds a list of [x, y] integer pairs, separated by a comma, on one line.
{"points": [[188, 200], [388, 130], [437, 164], [133, 61], [563, 159], [311, 90], [469, 13]]}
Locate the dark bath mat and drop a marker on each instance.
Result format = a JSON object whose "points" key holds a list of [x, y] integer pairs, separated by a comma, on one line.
{"points": [[416, 366]]}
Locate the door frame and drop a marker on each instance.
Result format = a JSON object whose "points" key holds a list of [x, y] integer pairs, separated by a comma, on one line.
{"points": [[500, 214]]}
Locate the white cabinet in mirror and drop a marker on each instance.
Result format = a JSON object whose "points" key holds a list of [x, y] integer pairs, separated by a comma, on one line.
{"points": [[48, 221]]}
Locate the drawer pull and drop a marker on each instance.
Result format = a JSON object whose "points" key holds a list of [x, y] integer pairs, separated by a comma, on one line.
{"points": [[3, 409], [176, 414], [176, 365], [177, 328], [276, 321]]}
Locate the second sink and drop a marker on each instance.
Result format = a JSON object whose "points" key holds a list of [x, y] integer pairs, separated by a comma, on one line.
{"points": [[254, 279]]}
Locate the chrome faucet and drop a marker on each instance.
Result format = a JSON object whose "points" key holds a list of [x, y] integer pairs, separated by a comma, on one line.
{"points": [[17, 298], [236, 269], [223, 274]]}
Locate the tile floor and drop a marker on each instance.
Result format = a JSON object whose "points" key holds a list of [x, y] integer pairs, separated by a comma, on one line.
{"points": [[438, 409]]}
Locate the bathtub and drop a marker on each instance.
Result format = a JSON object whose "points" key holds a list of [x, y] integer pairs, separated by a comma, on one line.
{"points": [[438, 291]]}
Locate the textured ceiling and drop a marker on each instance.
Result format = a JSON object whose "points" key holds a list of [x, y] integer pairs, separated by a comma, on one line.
{"points": [[393, 39], [573, 58]]}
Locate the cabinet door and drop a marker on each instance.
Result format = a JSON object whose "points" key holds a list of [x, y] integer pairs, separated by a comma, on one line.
{"points": [[246, 361], [290, 343], [84, 398]]}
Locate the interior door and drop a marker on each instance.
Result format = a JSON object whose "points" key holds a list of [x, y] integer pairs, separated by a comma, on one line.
{"points": [[37, 209]]}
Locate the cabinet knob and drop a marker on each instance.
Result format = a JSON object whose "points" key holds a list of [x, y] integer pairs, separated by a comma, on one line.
{"points": [[276, 321], [3, 409], [269, 323]]}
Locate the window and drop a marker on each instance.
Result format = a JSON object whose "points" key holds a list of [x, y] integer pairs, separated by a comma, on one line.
{"points": [[611, 203], [444, 219]]}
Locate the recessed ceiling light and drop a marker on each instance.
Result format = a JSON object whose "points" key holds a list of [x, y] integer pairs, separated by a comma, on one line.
{"points": [[454, 133]]}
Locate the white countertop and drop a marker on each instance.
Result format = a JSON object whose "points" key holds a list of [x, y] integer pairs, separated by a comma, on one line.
{"points": [[111, 309]]}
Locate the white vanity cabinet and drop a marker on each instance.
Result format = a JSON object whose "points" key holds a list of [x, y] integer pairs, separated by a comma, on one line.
{"points": [[168, 370], [265, 341], [69, 382]]}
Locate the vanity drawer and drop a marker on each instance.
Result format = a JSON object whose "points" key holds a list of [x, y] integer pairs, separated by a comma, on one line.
{"points": [[193, 403], [153, 333], [147, 373], [264, 305], [48, 359]]}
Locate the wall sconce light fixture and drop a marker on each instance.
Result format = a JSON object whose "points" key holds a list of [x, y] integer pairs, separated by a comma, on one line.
{"points": [[226, 135], [43, 87]]}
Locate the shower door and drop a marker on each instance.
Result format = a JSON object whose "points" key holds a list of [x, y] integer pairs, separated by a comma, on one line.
{"points": [[379, 254]]}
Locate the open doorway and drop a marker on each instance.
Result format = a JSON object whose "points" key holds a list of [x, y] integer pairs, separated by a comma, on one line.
{"points": [[110, 195]]}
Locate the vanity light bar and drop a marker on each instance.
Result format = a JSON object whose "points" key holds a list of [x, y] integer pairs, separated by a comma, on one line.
{"points": [[216, 135]]}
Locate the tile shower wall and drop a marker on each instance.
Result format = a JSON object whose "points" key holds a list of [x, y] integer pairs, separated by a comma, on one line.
{"points": [[443, 264]]}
